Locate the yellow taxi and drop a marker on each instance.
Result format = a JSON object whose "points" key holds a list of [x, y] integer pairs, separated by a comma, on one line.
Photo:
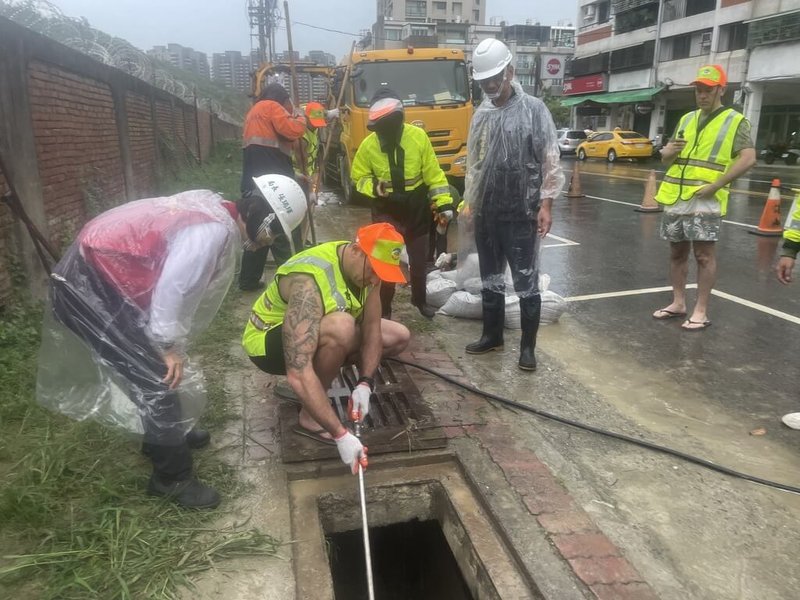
{"points": [[616, 144]]}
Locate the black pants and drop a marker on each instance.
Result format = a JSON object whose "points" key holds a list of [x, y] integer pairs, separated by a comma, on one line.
{"points": [[253, 263], [416, 239], [438, 241], [114, 329], [508, 242]]}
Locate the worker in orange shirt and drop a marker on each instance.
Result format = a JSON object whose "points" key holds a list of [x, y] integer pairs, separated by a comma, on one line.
{"points": [[270, 130]]}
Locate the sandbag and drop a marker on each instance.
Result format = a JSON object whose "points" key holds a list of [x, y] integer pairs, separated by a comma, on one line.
{"points": [[464, 305], [553, 306], [512, 318], [438, 290]]}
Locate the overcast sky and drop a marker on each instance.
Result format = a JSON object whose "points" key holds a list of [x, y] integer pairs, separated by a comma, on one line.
{"points": [[218, 25]]}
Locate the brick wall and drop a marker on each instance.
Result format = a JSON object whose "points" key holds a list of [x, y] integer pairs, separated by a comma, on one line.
{"points": [[144, 157], [77, 148], [80, 137]]}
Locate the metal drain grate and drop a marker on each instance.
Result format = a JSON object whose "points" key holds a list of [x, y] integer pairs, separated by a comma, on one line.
{"points": [[398, 420]]}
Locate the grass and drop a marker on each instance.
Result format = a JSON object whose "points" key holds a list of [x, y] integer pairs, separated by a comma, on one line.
{"points": [[75, 522]]}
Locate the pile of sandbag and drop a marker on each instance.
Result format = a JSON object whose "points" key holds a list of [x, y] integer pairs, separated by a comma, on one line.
{"points": [[457, 293]]}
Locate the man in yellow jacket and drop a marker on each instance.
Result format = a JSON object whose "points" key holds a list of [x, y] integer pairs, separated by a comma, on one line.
{"points": [[321, 311], [396, 168], [711, 147], [791, 246]]}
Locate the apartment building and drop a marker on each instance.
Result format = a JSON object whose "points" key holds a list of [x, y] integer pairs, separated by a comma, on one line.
{"points": [[445, 11], [232, 70], [635, 60], [182, 57]]}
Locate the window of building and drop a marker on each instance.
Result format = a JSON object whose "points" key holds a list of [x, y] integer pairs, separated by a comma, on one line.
{"points": [[416, 9], [440, 6], [476, 16], [688, 45], [392, 34], [695, 7], [638, 18], [457, 9], [732, 37], [633, 57]]}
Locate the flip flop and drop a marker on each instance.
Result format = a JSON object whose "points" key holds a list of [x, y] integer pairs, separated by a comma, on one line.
{"points": [[703, 325], [314, 435], [668, 314]]}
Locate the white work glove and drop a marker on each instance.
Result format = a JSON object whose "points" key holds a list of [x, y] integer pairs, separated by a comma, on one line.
{"points": [[358, 404], [351, 451], [443, 260], [442, 219], [332, 114]]}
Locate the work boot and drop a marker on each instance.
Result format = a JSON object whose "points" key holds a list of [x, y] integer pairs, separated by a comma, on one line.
{"points": [[530, 310], [426, 310], [198, 438], [494, 311], [189, 493]]}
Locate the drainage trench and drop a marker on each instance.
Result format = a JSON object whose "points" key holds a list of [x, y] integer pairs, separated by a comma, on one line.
{"points": [[431, 536]]}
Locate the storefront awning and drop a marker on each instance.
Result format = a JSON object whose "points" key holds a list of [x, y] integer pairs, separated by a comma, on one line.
{"points": [[625, 97]]}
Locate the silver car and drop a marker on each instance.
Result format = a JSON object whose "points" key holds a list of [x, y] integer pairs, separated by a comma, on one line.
{"points": [[568, 139]]}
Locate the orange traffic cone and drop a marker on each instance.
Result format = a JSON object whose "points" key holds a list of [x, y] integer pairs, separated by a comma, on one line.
{"points": [[770, 224], [575, 183], [649, 203]]}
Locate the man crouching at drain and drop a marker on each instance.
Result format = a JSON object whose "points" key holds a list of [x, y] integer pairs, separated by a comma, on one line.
{"points": [[323, 310]]}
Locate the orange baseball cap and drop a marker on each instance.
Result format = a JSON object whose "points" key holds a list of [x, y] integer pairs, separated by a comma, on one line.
{"points": [[315, 113], [711, 75], [383, 245]]}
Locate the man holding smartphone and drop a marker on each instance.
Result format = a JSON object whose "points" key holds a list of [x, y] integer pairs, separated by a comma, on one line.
{"points": [[711, 148]]}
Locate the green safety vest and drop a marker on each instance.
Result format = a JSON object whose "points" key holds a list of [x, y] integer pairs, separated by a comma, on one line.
{"points": [[322, 263], [704, 159], [420, 165]]}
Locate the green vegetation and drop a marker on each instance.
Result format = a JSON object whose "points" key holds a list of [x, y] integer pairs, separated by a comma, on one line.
{"points": [[75, 521]]}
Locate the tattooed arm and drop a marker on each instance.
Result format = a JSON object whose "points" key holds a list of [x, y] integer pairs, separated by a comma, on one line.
{"points": [[301, 329]]}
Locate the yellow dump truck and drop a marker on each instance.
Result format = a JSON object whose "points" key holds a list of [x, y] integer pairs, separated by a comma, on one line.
{"points": [[434, 86]]}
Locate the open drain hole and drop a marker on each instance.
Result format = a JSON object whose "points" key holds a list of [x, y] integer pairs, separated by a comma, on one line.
{"points": [[410, 561]]}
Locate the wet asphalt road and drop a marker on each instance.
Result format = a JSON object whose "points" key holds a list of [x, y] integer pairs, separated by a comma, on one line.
{"points": [[747, 361]]}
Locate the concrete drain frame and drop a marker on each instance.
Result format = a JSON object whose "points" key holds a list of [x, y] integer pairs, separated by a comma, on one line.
{"points": [[432, 487]]}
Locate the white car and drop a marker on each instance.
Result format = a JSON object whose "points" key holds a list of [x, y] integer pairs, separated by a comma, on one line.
{"points": [[568, 139]]}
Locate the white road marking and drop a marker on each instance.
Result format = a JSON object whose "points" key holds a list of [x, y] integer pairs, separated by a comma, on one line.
{"points": [[749, 304], [637, 205], [564, 242]]}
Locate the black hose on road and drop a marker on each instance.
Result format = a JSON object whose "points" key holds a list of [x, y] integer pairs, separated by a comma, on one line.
{"points": [[619, 436]]}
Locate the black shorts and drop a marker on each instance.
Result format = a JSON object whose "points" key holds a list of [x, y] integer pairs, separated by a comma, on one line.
{"points": [[274, 362]]}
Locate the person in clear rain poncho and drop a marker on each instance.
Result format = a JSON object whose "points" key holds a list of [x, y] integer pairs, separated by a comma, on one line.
{"points": [[513, 175], [139, 282]]}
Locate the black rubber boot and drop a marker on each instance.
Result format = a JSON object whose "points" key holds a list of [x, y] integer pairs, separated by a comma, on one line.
{"points": [[530, 311], [198, 438], [426, 310], [188, 492], [494, 312]]}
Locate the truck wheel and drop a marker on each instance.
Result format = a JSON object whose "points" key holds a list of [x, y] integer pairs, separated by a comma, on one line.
{"points": [[344, 179]]}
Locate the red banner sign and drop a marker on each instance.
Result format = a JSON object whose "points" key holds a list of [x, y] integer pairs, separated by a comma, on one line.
{"points": [[585, 85]]}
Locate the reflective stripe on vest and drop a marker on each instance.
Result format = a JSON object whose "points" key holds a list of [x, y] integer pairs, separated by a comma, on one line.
{"points": [[326, 267], [706, 156], [792, 227]]}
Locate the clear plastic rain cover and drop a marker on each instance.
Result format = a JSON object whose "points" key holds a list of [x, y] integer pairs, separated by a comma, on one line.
{"points": [[512, 163], [141, 280]]}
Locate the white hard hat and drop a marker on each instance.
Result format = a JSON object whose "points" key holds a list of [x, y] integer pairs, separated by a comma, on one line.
{"points": [[286, 198], [489, 58]]}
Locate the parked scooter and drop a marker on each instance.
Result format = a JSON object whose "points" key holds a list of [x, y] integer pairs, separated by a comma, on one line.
{"points": [[789, 152], [792, 154]]}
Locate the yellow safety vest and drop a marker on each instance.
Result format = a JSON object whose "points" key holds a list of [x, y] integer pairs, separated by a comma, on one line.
{"points": [[322, 263], [704, 159], [311, 149], [791, 230], [371, 164]]}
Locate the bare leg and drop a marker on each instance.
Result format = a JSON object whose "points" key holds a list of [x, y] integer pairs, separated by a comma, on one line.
{"points": [[678, 272], [705, 254]]}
